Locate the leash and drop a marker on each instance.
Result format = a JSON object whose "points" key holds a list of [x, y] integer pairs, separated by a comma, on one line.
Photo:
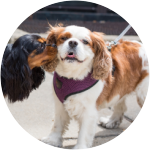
{"points": [[115, 42]]}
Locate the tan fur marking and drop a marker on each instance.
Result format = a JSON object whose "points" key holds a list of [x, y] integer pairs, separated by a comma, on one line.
{"points": [[41, 40], [138, 101], [48, 55], [66, 35]]}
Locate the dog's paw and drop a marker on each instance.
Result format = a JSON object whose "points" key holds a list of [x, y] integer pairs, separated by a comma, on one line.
{"points": [[80, 146], [50, 140], [110, 123]]}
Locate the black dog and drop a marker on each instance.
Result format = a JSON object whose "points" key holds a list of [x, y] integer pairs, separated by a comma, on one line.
{"points": [[20, 69]]}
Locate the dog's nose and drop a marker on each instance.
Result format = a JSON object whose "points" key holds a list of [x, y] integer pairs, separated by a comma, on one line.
{"points": [[73, 44]]}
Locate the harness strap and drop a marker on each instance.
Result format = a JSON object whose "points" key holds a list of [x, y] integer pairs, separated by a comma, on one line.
{"points": [[65, 87]]}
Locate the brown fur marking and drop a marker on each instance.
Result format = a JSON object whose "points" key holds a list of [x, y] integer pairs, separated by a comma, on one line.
{"points": [[66, 35], [127, 74], [52, 39]]}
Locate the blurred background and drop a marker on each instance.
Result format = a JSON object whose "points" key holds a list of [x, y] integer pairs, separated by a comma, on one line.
{"points": [[90, 15]]}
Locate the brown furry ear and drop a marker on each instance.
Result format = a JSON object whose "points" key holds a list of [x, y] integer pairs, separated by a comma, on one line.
{"points": [[102, 64], [53, 33], [52, 39]]}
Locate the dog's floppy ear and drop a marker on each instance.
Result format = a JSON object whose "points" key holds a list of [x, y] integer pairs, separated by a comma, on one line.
{"points": [[38, 75], [52, 39], [18, 75], [18, 78], [4, 69], [102, 63]]}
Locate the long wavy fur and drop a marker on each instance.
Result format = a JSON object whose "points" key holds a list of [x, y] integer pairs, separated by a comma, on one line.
{"points": [[17, 79], [102, 64]]}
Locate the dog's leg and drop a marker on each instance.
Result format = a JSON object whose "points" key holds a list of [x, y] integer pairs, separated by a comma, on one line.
{"points": [[60, 125], [87, 124], [115, 119]]}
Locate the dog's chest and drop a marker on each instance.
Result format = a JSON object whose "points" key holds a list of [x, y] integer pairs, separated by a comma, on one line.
{"points": [[77, 104]]}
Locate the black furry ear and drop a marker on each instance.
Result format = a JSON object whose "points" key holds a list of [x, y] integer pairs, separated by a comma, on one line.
{"points": [[3, 69], [18, 76], [18, 79], [3, 80], [38, 75]]}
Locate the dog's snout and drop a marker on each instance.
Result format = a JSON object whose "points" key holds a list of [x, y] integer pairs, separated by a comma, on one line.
{"points": [[73, 44]]}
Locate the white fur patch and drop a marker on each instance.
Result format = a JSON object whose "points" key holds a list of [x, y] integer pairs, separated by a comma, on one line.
{"points": [[53, 139], [78, 32], [142, 54]]}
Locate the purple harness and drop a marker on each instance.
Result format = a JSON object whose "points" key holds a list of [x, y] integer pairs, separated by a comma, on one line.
{"points": [[65, 87]]}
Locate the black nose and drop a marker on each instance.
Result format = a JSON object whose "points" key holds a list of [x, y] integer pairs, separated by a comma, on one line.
{"points": [[73, 44]]}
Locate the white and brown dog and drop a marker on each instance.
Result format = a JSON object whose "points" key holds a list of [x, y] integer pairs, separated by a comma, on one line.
{"points": [[83, 54]]}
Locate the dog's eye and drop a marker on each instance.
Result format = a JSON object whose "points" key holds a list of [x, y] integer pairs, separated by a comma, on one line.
{"points": [[64, 38], [85, 41], [43, 45]]}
